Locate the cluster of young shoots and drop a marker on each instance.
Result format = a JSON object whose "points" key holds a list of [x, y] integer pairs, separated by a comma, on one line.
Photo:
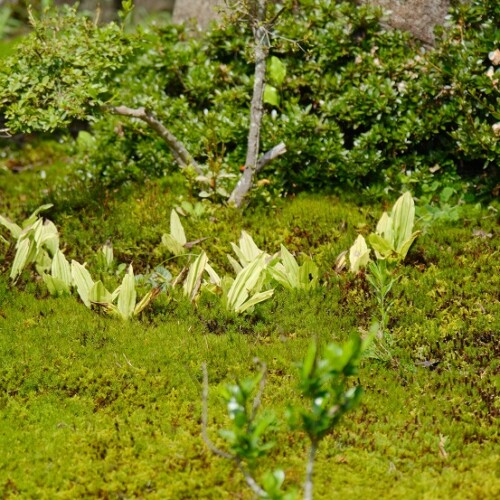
{"points": [[256, 272], [37, 242]]}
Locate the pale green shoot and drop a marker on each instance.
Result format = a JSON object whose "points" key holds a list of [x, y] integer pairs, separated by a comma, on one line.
{"points": [[60, 280], [245, 292], [127, 305], [99, 295], [246, 251], [32, 245], [176, 240], [25, 254], [95, 293], [290, 275], [125, 295], [83, 281], [106, 254], [394, 234], [192, 283], [13, 228], [34, 216], [16, 230], [359, 254]]}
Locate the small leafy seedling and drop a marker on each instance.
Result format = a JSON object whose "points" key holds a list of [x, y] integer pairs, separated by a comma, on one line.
{"points": [[323, 384]]}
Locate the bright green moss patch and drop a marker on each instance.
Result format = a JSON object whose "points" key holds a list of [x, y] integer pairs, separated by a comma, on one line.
{"points": [[95, 407]]}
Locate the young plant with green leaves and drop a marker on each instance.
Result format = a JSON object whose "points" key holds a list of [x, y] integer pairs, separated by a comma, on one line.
{"points": [[323, 382], [394, 234], [246, 252], [176, 240], [60, 280], [245, 291], [359, 254], [240, 294], [390, 242], [382, 279], [194, 276], [246, 437], [392, 238]]}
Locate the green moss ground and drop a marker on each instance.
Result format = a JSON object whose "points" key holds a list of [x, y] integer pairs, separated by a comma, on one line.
{"points": [[94, 407]]}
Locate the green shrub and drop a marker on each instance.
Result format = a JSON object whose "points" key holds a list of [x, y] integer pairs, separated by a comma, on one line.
{"points": [[356, 105]]}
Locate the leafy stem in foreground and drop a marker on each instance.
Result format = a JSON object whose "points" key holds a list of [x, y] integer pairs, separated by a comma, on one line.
{"points": [[322, 380], [244, 422]]}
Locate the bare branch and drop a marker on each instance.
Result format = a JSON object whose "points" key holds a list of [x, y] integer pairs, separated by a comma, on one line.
{"points": [[250, 480], [268, 157], [261, 50], [308, 484], [239, 193], [177, 148]]}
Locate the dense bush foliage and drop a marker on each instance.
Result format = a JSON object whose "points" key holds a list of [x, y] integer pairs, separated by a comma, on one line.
{"points": [[359, 106]]}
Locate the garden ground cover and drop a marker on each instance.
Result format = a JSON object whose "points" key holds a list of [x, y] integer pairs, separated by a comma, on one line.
{"points": [[92, 406]]}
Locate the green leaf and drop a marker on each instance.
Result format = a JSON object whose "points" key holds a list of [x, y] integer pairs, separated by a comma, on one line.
{"points": [[107, 254], [43, 262], [25, 254], [246, 250], [127, 296], [308, 275], [176, 229], [33, 217], [245, 283], [237, 267], [446, 194], [214, 277], [359, 254], [14, 229], [82, 280], [381, 246], [193, 280], [309, 361], [403, 217], [384, 228], [405, 247], [255, 299], [271, 95], [56, 286], [46, 235], [145, 301], [60, 269], [99, 295], [278, 273], [172, 244], [291, 267], [276, 70]]}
